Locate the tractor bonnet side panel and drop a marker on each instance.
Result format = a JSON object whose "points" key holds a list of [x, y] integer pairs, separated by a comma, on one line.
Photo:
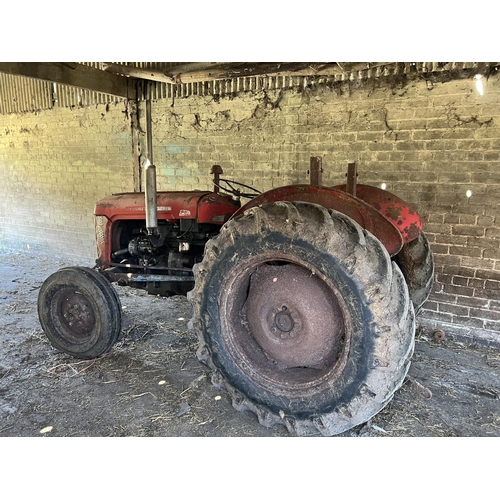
{"points": [[203, 206], [129, 206], [216, 209]]}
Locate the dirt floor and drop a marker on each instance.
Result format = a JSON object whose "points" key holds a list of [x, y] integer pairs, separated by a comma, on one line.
{"points": [[151, 383]]}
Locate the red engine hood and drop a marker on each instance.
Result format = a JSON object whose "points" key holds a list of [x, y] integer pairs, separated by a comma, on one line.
{"points": [[205, 206]]}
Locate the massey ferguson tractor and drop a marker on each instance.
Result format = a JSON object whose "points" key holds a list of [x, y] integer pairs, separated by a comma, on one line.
{"points": [[304, 298]]}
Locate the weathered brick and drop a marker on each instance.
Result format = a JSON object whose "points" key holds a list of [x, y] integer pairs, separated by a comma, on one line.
{"points": [[484, 293], [491, 254], [492, 285], [478, 263], [468, 230], [493, 232], [431, 305], [439, 317], [452, 218], [466, 251], [444, 297], [458, 280], [469, 322], [476, 283], [459, 271], [473, 302], [448, 240], [454, 309], [488, 275], [445, 278], [492, 325], [459, 290], [485, 314]]}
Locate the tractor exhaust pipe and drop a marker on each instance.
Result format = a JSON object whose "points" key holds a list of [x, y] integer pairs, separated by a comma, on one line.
{"points": [[151, 202]]}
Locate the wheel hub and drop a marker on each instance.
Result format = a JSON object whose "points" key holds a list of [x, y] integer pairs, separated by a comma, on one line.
{"points": [[294, 317], [283, 321], [76, 313]]}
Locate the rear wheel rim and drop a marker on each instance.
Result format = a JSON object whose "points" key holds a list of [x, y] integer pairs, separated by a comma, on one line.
{"points": [[289, 344]]}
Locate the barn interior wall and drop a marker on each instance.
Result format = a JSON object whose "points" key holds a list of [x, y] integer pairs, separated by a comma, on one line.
{"points": [[54, 165], [431, 142]]}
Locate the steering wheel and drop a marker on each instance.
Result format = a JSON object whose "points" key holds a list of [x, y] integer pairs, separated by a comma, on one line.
{"points": [[231, 189]]}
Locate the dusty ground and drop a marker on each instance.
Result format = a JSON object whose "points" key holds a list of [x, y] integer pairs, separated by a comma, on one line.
{"points": [[151, 384]]}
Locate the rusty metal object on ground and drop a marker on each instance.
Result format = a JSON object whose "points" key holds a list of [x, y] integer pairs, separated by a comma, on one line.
{"points": [[438, 335], [422, 391]]}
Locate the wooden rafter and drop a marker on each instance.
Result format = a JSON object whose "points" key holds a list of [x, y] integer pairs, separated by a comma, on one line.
{"points": [[202, 72], [74, 74]]}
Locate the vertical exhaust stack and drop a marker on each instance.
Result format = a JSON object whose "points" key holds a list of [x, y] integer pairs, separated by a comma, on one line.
{"points": [[151, 202]]}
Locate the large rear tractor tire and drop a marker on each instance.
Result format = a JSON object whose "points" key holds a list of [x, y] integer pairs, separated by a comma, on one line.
{"points": [[416, 261], [80, 312], [303, 318]]}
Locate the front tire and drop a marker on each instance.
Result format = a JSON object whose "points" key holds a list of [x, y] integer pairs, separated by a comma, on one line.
{"points": [[303, 318], [80, 312]]}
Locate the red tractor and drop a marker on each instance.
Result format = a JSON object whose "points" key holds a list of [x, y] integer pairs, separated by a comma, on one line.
{"points": [[304, 298]]}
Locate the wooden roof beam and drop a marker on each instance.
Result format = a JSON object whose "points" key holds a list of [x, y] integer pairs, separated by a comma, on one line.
{"points": [[202, 72], [76, 75]]}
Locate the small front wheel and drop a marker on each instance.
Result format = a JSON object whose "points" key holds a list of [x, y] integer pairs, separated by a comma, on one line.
{"points": [[80, 312]]}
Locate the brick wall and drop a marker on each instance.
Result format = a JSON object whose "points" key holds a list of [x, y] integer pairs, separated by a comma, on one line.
{"points": [[54, 166], [429, 141]]}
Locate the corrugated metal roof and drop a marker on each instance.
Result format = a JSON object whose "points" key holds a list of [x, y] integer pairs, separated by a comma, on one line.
{"points": [[21, 94]]}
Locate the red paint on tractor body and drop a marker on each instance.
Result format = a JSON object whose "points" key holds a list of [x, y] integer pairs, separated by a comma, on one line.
{"points": [[355, 208], [205, 207], [394, 209]]}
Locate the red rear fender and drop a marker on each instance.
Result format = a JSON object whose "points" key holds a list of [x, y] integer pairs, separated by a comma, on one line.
{"points": [[363, 213], [394, 209]]}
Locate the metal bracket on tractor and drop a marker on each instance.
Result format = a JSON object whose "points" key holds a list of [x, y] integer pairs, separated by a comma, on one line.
{"points": [[304, 297]]}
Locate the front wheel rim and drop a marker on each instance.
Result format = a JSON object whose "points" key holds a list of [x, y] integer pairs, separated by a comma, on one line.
{"points": [[73, 315]]}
